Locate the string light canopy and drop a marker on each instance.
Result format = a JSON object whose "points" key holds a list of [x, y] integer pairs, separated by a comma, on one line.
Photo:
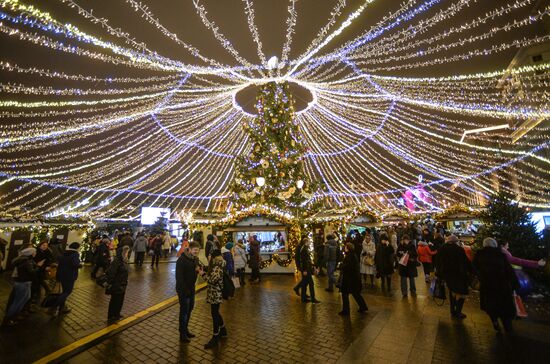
{"points": [[103, 111]]}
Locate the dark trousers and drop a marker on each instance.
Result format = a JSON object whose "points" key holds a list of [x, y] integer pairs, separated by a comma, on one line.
{"points": [[66, 290], [240, 274], [506, 322], [155, 259], [386, 278], [96, 268], [187, 303], [307, 280], [255, 274], [115, 305], [456, 304], [427, 268], [37, 284], [217, 319], [140, 256], [358, 299]]}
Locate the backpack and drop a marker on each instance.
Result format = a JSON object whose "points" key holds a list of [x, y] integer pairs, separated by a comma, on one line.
{"points": [[228, 288]]}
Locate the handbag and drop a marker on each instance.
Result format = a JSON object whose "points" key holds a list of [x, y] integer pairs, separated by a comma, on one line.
{"points": [[520, 307], [51, 299], [437, 290], [52, 272], [151, 252], [404, 260], [236, 282]]}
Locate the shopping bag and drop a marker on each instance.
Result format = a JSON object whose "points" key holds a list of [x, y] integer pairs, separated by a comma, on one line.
{"points": [[404, 260], [520, 307], [51, 299], [236, 282]]}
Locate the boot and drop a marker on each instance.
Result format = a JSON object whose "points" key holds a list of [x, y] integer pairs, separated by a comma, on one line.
{"points": [[223, 332], [496, 326], [212, 343], [458, 311]]}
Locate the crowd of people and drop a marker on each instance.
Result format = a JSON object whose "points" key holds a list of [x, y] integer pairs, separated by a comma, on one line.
{"points": [[354, 262]]}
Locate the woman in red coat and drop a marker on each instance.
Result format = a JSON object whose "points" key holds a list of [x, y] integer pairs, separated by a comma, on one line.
{"points": [[425, 257]]}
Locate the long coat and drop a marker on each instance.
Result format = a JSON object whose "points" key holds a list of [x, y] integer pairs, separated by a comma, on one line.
{"points": [[214, 280], [454, 268], [351, 278], [410, 269], [497, 283], [384, 259], [254, 261], [369, 249], [117, 275]]}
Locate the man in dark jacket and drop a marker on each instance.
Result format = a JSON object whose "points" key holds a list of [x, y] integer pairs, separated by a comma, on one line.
{"points": [[102, 256], [307, 268], [408, 271], [187, 268], [23, 274], [331, 254], [117, 281], [67, 273], [454, 267]]}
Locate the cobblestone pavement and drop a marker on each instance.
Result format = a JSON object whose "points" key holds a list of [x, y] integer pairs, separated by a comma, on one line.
{"points": [[40, 334], [267, 323]]}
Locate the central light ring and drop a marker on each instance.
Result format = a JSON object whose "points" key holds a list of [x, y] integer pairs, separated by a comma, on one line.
{"points": [[244, 99]]}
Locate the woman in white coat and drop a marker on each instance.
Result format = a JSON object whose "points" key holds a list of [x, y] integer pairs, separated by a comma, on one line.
{"points": [[239, 257], [367, 259]]}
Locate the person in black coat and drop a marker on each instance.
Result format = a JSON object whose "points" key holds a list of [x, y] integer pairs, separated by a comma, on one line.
{"points": [[117, 281], [187, 268], [307, 269], [408, 271], [453, 266], [351, 281], [67, 274], [497, 284], [384, 261], [43, 253], [102, 256]]}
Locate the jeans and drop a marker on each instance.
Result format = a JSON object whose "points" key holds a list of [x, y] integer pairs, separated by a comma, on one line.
{"points": [[331, 268], [115, 305], [187, 303], [66, 290], [307, 280], [358, 299], [21, 295], [140, 256], [217, 319], [240, 274], [404, 285], [155, 259]]}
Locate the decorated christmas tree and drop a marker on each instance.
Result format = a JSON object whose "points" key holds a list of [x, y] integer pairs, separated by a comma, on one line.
{"points": [[506, 221], [273, 172]]}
